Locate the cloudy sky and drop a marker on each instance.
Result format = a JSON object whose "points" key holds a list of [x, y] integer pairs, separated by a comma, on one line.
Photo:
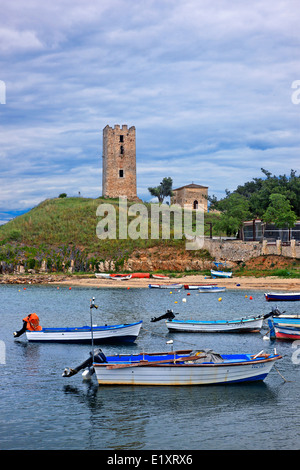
{"points": [[206, 83]]}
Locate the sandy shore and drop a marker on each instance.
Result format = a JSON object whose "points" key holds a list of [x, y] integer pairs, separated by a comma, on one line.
{"points": [[264, 283]]}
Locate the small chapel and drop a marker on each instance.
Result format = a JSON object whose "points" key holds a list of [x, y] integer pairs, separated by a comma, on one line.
{"points": [[193, 196]]}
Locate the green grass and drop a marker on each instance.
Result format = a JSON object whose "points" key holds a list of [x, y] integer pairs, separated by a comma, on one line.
{"points": [[64, 229]]}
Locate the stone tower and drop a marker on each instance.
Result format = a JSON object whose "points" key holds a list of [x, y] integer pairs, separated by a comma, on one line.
{"points": [[119, 162]]}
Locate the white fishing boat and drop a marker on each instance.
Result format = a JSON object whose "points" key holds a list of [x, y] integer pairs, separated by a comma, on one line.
{"points": [[223, 274], [211, 289], [83, 334], [247, 324], [125, 332], [102, 275], [198, 286], [165, 286], [160, 276], [179, 368]]}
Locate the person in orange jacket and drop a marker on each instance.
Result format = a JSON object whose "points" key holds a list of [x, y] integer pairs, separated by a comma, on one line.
{"points": [[30, 323]]}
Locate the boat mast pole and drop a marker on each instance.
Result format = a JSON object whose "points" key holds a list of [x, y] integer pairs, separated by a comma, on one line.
{"points": [[91, 315]]}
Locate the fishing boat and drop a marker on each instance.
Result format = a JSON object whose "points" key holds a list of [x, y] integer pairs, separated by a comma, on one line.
{"points": [[130, 276], [279, 296], [284, 328], [246, 324], [223, 274], [160, 276], [127, 332], [208, 289], [187, 367], [140, 275], [120, 277], [196, 286], [83, 334], [251, 324], [165, 286]]}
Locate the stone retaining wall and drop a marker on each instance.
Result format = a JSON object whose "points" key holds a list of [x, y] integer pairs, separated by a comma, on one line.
{"points": [[237, 250]]}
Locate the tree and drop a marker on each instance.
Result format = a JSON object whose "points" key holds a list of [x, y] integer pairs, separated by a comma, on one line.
{"points": [[234, 211], [279, 212], [163, 190], [259, 190]]}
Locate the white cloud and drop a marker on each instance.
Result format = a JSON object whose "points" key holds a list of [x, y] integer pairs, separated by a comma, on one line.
{"points": [[207, 84]]}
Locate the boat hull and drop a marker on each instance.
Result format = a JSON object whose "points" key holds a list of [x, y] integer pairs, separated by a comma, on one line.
{"points": [[198, 286], [101, 334], [286, 328], [232, 370], [218, 326], [165, 286], [223, 274], [279, 297], [208, 290]]}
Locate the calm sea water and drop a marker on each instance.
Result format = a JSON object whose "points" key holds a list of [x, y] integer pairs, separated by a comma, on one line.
{"points": [[39, 409]]}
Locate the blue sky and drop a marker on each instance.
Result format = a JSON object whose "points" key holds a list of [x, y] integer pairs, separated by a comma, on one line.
{"points": [[207, 84]]}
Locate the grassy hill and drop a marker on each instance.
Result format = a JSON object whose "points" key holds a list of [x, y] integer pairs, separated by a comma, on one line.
{"points": [[63, 229]]}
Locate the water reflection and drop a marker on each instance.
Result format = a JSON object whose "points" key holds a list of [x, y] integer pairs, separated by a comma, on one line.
{"points": [[123, 417], [72, 414]]}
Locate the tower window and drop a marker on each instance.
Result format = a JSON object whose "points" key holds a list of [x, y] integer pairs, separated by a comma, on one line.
{"points": [[121, 138], [121, 150], [121, 173]]}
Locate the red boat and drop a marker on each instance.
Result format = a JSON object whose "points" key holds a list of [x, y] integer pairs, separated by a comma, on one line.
{"points": [[133, 275]]}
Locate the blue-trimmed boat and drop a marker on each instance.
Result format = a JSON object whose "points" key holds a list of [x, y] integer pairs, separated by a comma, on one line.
{"points": [[188, 367], [93, 334], [83, 334], [281, 297]]}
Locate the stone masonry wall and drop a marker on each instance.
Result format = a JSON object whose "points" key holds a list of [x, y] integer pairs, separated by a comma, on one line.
{"points": [[237, 250], [119, 162]]}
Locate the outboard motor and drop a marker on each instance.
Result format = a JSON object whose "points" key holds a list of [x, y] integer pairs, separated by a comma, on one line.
{"points": [[97, 356], [275, 312], [169, 315]]}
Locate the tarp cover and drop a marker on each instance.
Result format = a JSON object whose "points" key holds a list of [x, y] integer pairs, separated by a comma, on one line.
{"points": [[206, 355]]}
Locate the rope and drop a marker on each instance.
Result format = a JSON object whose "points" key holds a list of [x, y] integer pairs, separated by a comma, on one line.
{"points": [[281, 375]]}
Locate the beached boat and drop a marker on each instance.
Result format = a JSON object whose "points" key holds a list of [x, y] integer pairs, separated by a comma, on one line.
{"points": [[131, 276], [279, 296], [165, 286], [196, 286], [250, 324], [223, 274], [160, 276], [189, 367], [140, 275], [83, 334], [118, 277]]}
